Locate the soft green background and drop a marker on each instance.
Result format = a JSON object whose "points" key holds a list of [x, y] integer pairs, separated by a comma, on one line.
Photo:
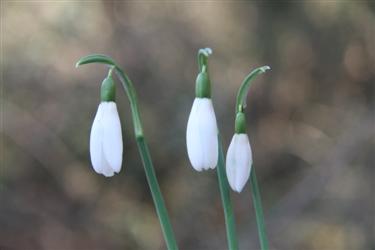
{"points": [[310, 122]]}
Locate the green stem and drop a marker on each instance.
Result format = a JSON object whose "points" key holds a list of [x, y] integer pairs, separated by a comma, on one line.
{"points": [[203, 90], [245, 86], [225, 197], [257, 201], [147, 163], [130, 92], [156, 194], [142, 146]]}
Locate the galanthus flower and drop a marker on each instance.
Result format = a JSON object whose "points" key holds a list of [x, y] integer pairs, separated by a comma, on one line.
{"points": [[201, 135], [239, 157], [106, 136], [202, 132]]}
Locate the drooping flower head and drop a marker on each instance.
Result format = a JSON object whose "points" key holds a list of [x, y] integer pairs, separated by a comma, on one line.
{"points": [[201, 132], [239, 156], [106, 136]]}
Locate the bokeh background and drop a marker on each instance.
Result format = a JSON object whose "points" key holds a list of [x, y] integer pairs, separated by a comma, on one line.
{"points": [[310, 122]]}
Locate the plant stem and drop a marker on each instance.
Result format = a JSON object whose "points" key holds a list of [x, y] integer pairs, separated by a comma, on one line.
{"points": [[156, 194], [245, 86], [147, 163], [225, 197], [240, 106], [257, 200]]}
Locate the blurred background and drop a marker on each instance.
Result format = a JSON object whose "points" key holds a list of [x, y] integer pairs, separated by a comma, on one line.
{"points": [[310, 122]]}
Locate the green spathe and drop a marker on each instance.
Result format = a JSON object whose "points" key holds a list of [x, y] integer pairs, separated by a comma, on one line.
{"points": [[240, 123], [203, 85], [108, 90]]}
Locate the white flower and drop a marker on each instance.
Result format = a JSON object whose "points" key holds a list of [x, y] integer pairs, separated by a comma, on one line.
{"points": [[106, 140], [201, 135], [239, 161]]}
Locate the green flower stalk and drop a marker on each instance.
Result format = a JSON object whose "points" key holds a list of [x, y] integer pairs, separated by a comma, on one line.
{"points": [[230, 222], [239, 156], [108, 94]]}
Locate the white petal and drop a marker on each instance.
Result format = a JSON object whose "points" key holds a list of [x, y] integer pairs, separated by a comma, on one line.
{"points": [[201, 135], [208, 133], [96, 135], [238, 162], [193, 139], [112, 137], [107, 171]]}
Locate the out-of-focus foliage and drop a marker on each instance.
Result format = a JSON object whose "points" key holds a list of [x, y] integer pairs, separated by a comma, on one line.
{"points": [[310, 122]]}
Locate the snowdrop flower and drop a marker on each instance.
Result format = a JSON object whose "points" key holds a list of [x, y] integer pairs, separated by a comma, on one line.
{"points": [[239, 156], [202, 132], [106, 136], [201, 135]]}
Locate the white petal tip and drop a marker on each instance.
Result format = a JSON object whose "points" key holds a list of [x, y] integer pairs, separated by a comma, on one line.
{"points": [[201, 168], [239, 190], [108, 173]]}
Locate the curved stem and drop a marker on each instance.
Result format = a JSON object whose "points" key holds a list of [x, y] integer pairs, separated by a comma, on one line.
{"points": [[257, 201], [95, 58], [147, 162], [142, 146], [203, 55], [225, 198], [132, 97], [245, 86]]}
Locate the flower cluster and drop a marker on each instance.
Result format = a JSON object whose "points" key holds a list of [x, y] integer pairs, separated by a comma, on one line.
{"points": [[202, 139], [202, 134]]}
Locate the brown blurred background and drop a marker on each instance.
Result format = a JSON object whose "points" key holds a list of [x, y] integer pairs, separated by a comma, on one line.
{"points": [[310, 122]]}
